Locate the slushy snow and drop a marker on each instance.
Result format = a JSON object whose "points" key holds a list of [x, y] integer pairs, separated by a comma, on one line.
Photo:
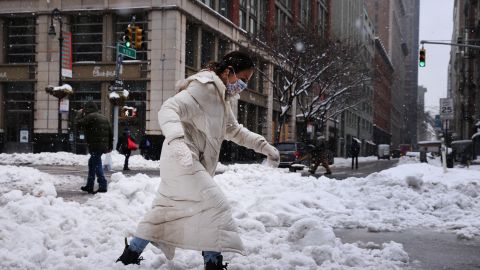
{"points": [[286, 221]]}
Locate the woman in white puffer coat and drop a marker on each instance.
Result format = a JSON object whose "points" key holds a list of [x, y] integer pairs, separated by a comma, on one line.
{"points": [[190, 210]]}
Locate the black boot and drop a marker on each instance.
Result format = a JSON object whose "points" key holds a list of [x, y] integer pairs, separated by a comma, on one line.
{"points": [[128, 256], [88, 190], [216, 266]]}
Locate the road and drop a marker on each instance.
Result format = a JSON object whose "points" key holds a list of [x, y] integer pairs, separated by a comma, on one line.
{"points": [[428, 250], [364, 169]]}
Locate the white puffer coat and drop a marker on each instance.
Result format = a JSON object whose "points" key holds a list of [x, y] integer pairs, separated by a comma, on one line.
{"points": [[190, 211]]}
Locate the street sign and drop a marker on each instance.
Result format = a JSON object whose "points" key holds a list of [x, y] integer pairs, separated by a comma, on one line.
{"points": [[114, 88], [446, 108], [128, 52]]}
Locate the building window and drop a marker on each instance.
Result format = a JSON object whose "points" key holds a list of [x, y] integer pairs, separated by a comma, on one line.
{"points": [[208, 48], [191, 46], [322, 18], [304, 12], [87, 37], [141, 20], [224, 8], [282, 18], [20, 40], [209, 3], [253, 12], [223, 48], [257, 80], [85, 92], [243, 14], [19, 104]]}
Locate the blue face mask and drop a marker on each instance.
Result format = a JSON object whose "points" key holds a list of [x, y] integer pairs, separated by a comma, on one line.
{"points": [[236, 87]]}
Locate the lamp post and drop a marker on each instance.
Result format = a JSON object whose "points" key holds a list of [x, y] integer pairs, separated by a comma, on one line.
{"points": [[57, 15]]}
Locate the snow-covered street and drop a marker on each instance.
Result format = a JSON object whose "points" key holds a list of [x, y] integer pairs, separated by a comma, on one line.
{"points": [[286, 221]]}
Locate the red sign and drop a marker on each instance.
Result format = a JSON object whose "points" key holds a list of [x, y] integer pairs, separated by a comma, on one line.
{"points": [[67, 55]]}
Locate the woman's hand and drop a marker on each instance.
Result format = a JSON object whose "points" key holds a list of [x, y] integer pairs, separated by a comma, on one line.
{"points": [[273, 156], [181, 152]]}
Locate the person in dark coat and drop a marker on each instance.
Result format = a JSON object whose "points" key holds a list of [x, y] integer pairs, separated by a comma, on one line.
{"points": [[145, 146], [319, 156], [99, 135], [355, 151], [423, 155], [122, 147]]}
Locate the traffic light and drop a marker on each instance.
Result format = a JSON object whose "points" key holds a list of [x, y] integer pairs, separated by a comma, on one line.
{"points": [[127, 37], [138, 38], [421, 59]]}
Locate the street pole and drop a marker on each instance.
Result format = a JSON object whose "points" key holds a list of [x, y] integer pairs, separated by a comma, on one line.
{"points": [[60, 80]]}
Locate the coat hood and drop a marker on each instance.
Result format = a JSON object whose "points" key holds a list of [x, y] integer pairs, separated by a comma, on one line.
{"points": [[204, 76], [91, 107]]}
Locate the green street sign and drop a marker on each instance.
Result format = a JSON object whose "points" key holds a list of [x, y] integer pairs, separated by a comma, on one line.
{"points": [[128, 52]]}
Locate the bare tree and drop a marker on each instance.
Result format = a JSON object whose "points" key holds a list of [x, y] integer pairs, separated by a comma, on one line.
{"points": [[321, 76]]}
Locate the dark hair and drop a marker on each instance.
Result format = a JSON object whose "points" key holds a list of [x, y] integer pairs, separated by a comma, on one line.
{"points": [[238, 60]]}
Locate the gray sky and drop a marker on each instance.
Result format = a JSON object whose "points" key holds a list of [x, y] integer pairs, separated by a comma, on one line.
{"points": [[436, 23]]}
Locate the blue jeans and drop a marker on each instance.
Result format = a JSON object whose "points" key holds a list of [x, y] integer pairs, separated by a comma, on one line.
{"points": [[95, 168], [138, 244]]}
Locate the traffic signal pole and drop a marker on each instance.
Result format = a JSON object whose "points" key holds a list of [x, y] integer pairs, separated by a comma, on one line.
{"points": [[450, 44]]}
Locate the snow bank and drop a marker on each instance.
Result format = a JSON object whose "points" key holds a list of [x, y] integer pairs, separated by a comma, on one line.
{"points": [[285, 220], [69, 159]]}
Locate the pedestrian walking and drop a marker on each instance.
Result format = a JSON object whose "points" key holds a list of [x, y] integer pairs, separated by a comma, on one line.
{"points": [[423, 155], [99, 140], [145, 146], [320, 156], [190, 210], [355, 151], [126, 144]]}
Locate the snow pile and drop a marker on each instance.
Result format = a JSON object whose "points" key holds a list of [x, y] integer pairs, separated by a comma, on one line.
{"points": [[49, 233], [69, 159], [286, 221]]}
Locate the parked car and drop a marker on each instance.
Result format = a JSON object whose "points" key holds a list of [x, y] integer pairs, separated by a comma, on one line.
{"points": [[396, 153], [291, 153]]}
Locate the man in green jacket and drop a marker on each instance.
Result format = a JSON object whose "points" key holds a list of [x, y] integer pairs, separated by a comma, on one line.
{"points": [[100, 140]]}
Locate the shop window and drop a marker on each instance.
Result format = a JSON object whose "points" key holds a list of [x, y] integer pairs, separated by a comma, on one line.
{"points": [[141, 20], [87, 37], [19, 107], [20, 43]]}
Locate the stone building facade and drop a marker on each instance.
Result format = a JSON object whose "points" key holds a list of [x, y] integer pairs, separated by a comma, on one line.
{"points": [[180, 38]]}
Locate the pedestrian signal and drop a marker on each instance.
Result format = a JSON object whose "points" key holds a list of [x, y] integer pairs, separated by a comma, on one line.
{"points": [[128, 112]]}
